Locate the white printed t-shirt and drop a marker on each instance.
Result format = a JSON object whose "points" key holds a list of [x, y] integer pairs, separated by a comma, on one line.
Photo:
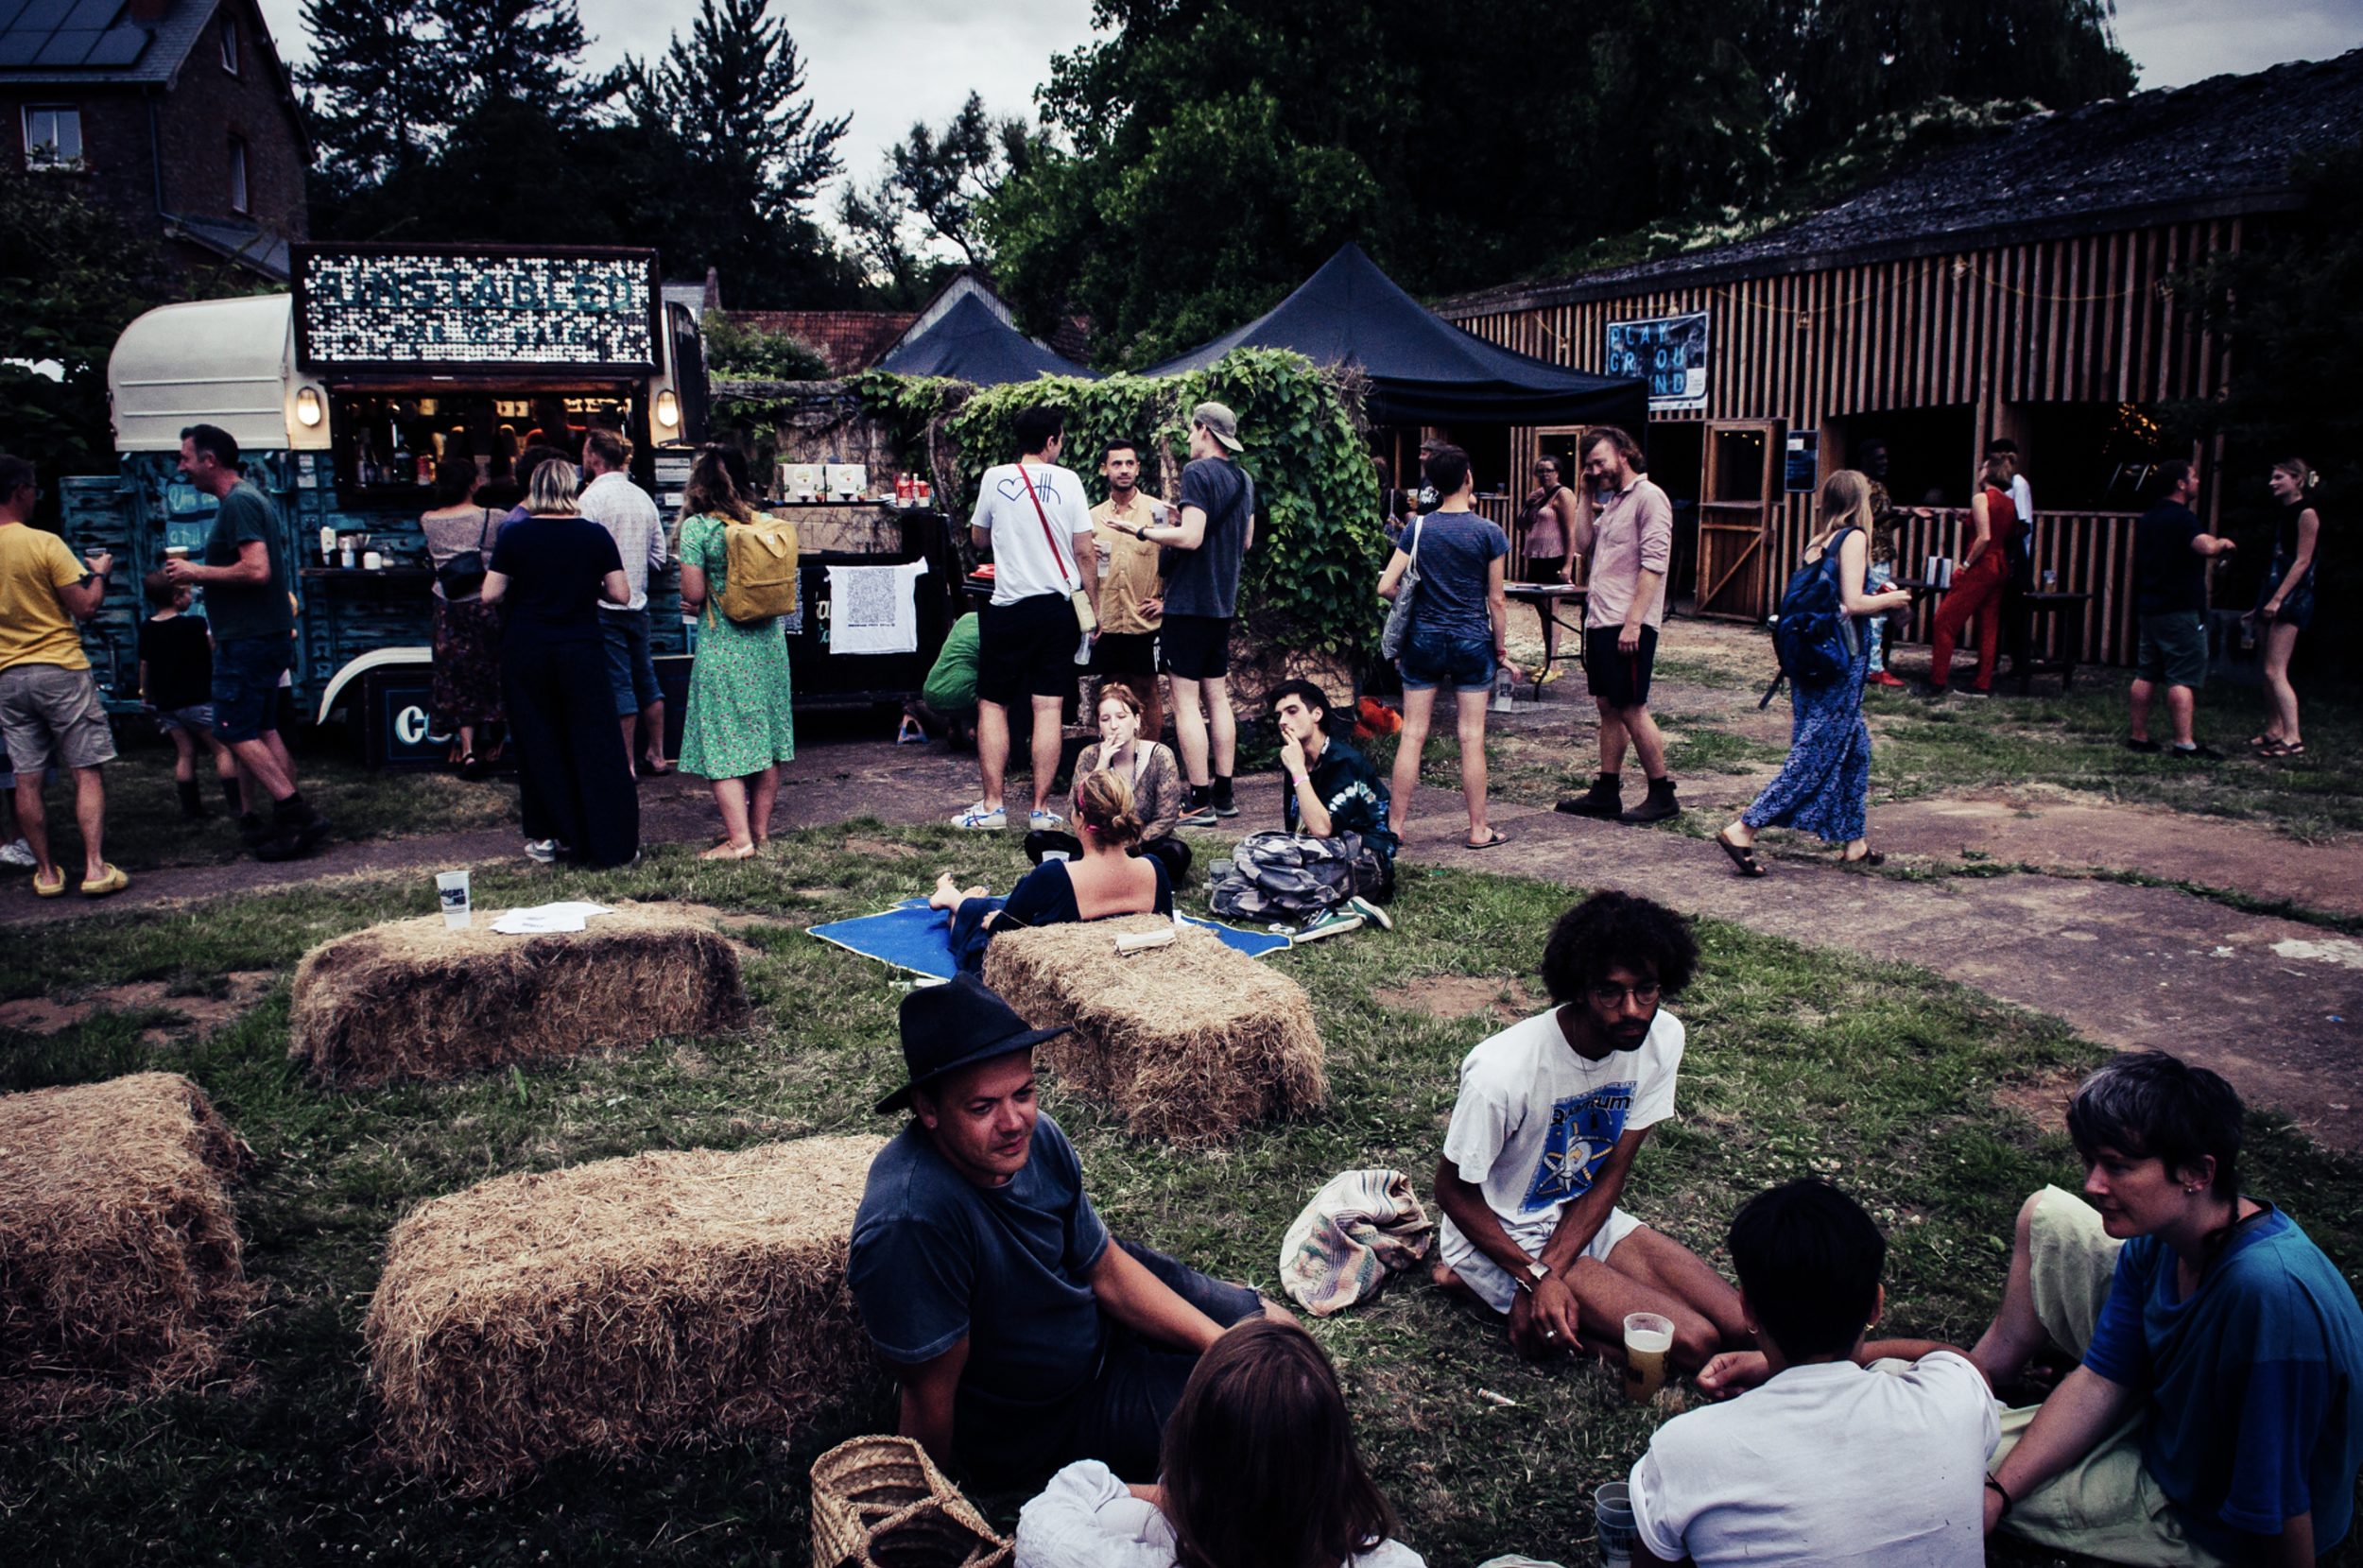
{"points": [[1831, 1465], [1024, 562], [1532, 1126]]}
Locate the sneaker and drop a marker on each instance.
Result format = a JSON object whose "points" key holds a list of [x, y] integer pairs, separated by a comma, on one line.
{"points": [[1042, 821], [1604, 799], [1330, 922], [1224, 805], [2200, 751], [544, 851], [1881, 678], [1203, 817], [18, 853], [1372, 913], [2147, 748], [293, 840], [979, 816]]}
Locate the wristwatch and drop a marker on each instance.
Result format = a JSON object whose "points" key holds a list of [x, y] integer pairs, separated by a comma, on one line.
{"points": [[1536, 1272], [1140, 531]]}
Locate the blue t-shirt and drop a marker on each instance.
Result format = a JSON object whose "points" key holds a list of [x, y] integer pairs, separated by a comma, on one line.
{"points": [[1456, 550], [1205, 581], [2253, 1413], [2169, 575], [936, 1257]]}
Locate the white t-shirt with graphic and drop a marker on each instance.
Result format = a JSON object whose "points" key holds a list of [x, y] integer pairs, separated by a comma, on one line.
{"points": [[1024, 561], [1535, 1120], [1831, 1465]]}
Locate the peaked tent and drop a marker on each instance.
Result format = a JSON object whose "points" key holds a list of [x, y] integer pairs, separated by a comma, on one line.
{"points": [[968, 342], [1422, 369]]}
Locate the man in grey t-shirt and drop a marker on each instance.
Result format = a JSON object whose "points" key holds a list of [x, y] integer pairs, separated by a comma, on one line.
{"points": [[611, 499], [1201, 594]]}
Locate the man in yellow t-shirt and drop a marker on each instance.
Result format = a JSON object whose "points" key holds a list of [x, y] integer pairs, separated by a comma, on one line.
{"points": [[1131, 604], [48, 699]]}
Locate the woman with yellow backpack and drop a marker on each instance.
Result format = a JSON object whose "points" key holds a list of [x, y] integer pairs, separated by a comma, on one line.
{"points": [[738, 575]]}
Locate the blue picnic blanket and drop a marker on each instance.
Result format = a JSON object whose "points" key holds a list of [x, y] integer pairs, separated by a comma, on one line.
{"points": [[914, 937]]}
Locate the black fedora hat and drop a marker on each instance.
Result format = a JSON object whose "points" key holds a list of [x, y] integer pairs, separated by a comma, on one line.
{"points": [[956, 1024]]}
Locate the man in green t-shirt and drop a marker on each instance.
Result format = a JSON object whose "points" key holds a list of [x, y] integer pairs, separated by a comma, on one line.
{"points": [[249, 602], [948, 700]]}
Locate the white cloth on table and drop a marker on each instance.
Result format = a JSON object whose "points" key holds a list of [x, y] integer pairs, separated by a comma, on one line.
{"points": [[1086, 1517], [874, 608], [563, 916]]}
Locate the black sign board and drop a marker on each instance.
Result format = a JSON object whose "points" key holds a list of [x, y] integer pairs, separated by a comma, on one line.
{"points": [[456, 308], [1667, 351]]}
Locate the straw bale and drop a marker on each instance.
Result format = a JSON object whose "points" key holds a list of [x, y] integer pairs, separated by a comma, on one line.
{"points": [[120, 1270], [1191, 1041], [662, 1298], [411, 999]]}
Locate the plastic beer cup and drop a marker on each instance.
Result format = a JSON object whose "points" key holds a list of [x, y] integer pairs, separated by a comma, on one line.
{"points": [[1611, 1512], [450, 891], [1647, 1338]]}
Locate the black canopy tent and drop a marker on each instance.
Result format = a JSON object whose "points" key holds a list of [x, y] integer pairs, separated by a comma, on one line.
{"points": [[969, 342], [1423, 369]]}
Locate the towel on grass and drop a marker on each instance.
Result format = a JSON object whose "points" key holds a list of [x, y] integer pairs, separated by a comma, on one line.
{"points": [[1362, 1226]]}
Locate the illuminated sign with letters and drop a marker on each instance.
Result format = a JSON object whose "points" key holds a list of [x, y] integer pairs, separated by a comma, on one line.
{"points": [[458, 309]]}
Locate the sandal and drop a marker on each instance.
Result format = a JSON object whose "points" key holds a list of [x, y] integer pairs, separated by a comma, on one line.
{"points": [[2260, 743], [1743, 855], [2283, 749], [724, 852], [51, 889], [1869, 857], [1498, 838]]}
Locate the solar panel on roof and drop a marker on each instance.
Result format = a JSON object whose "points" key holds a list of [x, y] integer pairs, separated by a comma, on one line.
{"points": [[92, 15], [7, 13], [45, 16], [20, 48], [67, 46], [118, 46]]}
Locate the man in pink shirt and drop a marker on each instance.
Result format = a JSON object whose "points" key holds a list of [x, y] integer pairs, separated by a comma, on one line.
{"points": [[1626, 540]]}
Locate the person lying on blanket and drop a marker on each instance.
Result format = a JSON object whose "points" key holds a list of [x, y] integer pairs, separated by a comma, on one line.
{"points": [[1108, 881]]}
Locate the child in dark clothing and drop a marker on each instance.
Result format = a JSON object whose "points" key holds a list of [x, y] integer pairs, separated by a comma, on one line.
{"points": [[176, 684]]}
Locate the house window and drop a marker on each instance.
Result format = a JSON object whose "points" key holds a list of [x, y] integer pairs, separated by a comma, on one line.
{"points": [[229, 45], [53, 138], [237, 175]]}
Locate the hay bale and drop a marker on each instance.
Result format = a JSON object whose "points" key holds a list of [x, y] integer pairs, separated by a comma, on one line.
{"points": [[411, 999], [119, 1261], [1191, 1041], [663, 1297]]}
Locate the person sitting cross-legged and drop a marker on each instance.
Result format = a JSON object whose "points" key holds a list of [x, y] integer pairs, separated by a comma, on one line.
{"points": [[1836, 1451], [2215, 1415], [1330, 790], [1025, 1337], [1552, 1113], [1109, 881]]}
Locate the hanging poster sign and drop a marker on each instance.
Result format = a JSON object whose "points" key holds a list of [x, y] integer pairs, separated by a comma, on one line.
{"points": [[1667, 351], [461, 308], [1804, 458]]}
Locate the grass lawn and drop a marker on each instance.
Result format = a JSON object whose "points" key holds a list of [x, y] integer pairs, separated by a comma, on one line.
{"points": [[1881, 1077]]}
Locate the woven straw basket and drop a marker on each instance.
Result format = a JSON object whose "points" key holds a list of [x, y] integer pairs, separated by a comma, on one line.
{"points": [[881, 1503]]}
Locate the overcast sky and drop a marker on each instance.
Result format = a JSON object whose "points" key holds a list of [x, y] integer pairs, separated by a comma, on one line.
{"points": [[891, 61]]}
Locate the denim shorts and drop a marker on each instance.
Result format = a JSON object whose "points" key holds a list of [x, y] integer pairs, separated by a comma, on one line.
{"points": [[246, 686], [630, 667], [1439, 658]]}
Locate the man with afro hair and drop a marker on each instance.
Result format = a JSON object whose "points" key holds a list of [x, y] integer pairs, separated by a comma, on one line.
{"points": [[1552, 1113]]}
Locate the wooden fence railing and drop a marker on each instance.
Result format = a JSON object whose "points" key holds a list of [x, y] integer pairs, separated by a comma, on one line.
{"points": [[2088, 552]]}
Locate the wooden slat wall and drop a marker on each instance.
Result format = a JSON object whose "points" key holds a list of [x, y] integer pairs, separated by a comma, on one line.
{"points": [[2069, 320], [2090, 552]]}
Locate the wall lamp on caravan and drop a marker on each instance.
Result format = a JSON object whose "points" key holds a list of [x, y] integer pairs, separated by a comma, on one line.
{"points": [[668, 410], [308, 406]]}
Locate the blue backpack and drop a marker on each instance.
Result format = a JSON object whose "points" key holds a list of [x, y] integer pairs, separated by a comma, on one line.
{"points": [[1817, 640]]}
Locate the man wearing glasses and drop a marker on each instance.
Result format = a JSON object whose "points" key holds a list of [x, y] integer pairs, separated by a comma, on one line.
{"points": [[1551, 1114]]}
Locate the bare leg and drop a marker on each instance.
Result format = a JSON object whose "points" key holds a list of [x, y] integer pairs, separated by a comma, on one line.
{"points": [[278, 749], [1225, 725], [1611, 739], [1154, 705], [185, 757], [1189, 729], [90, 815], [993, 750], [1046, 747], [731, 796], [949, 895], [2140, 697], [263, 767], [1473, 774], [32, 823], [762, 793], [2180, 704], [1647, 743], [1709, 1319], [1418, 711], [628, 721], [466, 741], [2279, 640], [652, 729], [2016, 1336]]}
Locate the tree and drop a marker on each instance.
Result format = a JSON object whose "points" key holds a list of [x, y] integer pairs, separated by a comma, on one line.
{"points": [[939, 179], [373, 94]]}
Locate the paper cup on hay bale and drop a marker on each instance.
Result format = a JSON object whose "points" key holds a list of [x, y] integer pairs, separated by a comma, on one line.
{"points": [[1191, 1041], [414, 999], [120, 1270], [614, 1305], [881, 1503]]}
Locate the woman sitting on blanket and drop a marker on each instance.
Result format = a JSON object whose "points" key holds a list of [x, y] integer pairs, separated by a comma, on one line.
{"points": [[1259, 1468], [1108, 881]]}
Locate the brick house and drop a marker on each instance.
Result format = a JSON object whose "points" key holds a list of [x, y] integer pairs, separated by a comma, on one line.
{"points": [[177, 114]]}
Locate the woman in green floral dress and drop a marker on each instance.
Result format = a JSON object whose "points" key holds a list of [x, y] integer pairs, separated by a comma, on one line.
{"points": [[741, 725]]}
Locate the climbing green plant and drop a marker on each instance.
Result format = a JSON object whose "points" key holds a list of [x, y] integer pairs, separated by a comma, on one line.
{"points": [[1319, 545]]}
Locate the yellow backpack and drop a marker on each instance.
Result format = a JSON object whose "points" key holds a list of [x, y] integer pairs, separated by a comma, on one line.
{"points": [[759, 569]]}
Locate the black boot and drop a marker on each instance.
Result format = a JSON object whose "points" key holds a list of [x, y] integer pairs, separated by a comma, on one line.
{"points": [[1659, 805], [296, 828], [1606, 798], [191, 802], [254, 830], [233, 797]]}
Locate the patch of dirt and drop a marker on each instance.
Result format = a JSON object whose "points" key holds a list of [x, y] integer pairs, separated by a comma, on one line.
{"points": [[879, 846], [1462, 996], [42, 1015], [2042, 1099]]}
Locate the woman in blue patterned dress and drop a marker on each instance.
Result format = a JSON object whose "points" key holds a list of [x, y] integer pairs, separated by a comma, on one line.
{"points": [[1822, 787], [741, 724]]}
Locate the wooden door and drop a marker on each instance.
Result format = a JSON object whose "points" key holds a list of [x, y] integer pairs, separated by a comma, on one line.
{"points": [[1527, 446], [1741, 486]]}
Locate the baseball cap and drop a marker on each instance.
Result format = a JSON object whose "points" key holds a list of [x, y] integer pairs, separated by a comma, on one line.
{"points": [[1221, 422]]}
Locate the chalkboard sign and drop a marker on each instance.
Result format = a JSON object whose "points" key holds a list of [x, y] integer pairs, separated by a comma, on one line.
{"points": [[456, 308], [1667, 351]]}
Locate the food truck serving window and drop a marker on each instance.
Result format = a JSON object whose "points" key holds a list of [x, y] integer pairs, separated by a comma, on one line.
{"points": [[380, 308], [388, 441]]}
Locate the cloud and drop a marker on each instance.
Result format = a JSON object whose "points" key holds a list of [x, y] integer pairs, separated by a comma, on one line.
{"points": [[2178, 41]]}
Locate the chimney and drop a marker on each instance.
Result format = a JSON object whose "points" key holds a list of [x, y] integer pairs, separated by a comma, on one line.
{"points": [[146, 10]]}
